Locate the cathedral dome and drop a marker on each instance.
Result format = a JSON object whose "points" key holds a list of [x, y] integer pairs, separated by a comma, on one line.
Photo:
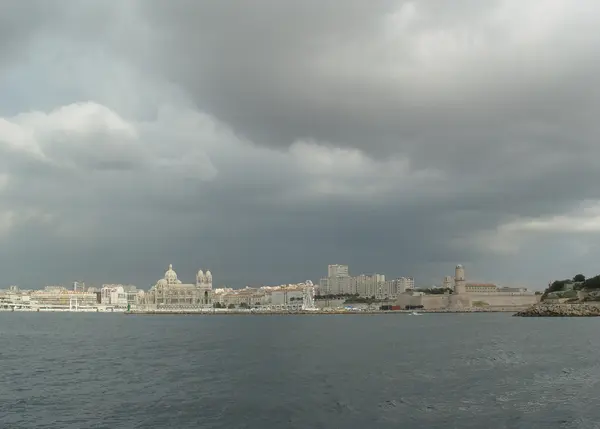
{"points": [[171, 276], [208, 275], [200, 274]]}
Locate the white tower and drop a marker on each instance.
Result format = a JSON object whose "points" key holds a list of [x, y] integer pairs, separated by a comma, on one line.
{"points": [[204, 283], [459, 280]]}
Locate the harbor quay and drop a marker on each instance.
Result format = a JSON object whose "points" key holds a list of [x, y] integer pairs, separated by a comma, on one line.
{"points": [[325, 312]]}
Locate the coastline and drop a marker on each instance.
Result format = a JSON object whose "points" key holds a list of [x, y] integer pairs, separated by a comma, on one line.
{"points": [[560, 310], [317, 312], [237, 312]]}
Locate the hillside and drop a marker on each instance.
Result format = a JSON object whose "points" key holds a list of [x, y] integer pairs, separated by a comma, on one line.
{"points": [[569, 288]]}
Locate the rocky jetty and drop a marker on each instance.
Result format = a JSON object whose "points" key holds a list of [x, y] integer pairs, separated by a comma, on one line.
{"points": [[560, 310]]}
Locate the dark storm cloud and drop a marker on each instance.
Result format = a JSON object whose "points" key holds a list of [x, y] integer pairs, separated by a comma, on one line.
{"points": [[266, 139], [279, 73]]}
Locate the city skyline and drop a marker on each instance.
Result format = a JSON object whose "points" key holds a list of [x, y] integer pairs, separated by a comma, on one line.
{"points": [[331, 270], [339, 291], [395, 137]]}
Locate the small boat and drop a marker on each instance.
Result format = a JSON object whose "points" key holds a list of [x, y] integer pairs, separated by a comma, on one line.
{"points": [[414, 313]]}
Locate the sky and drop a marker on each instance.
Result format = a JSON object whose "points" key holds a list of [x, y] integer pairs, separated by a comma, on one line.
{"points": [[266, 139]]}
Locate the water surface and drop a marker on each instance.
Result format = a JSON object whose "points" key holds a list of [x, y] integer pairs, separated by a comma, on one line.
{"points": [[65, 370]]}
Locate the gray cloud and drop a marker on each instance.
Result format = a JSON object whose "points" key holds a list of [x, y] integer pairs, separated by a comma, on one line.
{"points": [[265, 140]]}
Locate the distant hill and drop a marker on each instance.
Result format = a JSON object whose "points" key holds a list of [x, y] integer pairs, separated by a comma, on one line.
{"points": [[568, 288]]}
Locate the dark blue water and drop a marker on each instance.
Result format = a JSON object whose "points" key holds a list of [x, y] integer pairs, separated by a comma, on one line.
{"points": [[392, 371]]}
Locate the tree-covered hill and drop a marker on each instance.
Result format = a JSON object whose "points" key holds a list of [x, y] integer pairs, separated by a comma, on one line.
{"points": [[558, 288]]}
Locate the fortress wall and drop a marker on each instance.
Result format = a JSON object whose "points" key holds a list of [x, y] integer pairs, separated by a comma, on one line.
{"points": [[466, 300], [429, 302], [505, 300], [462, 300], [435, 301], [408, 299]]}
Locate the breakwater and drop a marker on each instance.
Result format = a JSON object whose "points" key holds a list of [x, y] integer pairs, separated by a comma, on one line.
{"points": [[560, 310]]}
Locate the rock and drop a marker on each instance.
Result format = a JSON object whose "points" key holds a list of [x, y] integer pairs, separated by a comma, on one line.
{"points": [[560, 310]]}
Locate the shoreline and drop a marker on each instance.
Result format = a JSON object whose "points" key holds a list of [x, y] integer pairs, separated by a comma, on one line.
{"points": [[222, 312], [560, 310], [308, 313]]}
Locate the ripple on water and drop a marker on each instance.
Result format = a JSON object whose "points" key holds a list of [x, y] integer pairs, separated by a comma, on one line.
{"points": [[318, 372]]}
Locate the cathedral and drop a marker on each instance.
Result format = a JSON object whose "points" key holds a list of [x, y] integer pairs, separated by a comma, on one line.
{"points": [[170, 292]]}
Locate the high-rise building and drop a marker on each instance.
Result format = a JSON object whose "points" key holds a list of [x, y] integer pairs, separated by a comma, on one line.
{"points": [[337, 281], [337, 271], [368, 285], [323, 286]]}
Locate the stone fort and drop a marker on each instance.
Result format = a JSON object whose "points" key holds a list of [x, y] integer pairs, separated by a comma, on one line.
{"points": [[469, 295]]}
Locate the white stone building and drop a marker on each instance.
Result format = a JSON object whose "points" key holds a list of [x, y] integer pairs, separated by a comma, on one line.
{"points": [[285, 297], [59, 297], [170, 293], [118, 295], [113, 295]]}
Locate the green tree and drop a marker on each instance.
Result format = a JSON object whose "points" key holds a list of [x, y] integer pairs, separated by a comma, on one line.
{"points": [[592, 283], [579, 278], [230, 306]]}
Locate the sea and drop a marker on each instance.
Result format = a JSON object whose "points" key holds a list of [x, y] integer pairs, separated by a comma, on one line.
{"points": [[88, 370]]}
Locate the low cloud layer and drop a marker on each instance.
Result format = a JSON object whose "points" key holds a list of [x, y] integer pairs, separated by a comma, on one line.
{"points": [[267, 140]]}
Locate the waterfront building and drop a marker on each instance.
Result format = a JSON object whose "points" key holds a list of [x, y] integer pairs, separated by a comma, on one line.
{"points": [[170, 292], [118, 295], [59, 297], [284, 297], [467, 295], [248, 296], [369, 285], [287, 296], [339, 282], [14, 300], [480, 287], [406, 283], [393, 288]]}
